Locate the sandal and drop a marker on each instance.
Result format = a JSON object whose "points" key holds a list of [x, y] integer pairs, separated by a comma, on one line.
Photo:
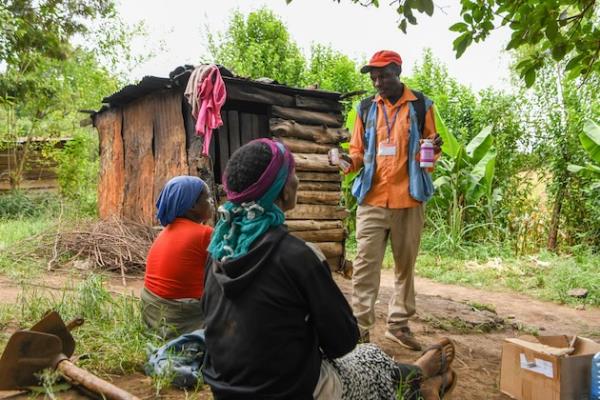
{"points": [[446, 391], [445, 361]]}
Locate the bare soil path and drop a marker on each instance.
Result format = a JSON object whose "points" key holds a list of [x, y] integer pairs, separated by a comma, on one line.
{"points": [[478, 357]]}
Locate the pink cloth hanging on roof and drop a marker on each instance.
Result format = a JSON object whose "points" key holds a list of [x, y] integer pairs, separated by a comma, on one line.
{"points": [[211, 95]]}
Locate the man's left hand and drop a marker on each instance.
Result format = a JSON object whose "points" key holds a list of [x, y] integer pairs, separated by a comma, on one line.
{"points": [[437, 143]]}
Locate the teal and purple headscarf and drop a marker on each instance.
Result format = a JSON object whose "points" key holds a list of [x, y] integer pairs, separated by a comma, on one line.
{"points": [[247, 215]]}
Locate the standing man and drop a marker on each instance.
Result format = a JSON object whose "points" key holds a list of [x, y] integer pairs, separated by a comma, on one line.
{"points": [[391, 190]]}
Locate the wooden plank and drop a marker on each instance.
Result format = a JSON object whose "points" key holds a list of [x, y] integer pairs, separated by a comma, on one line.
{"points": [[138, 200], [318, 103], [170, 156], [319, 212], [314, 197], [255, 130], [312, 225], [223, 154], [111, 183], [305, 146], [331, 249], [235, 138], [320, 186], [263, 126], [325, 235], [246, 127], [314, 162], [243, 92], [320, 134], [319, 176], [308, 117]]}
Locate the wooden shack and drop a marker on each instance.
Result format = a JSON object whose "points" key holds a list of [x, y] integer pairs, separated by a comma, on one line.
{"points": [[147, 136], [26, 163]]}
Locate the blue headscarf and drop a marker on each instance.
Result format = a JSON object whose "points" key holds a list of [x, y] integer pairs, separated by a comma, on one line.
{"points": [[177, 197], [242, 223]]}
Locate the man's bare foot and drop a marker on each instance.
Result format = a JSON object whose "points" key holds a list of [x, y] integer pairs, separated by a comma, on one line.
{"points": [[431, 388], [432, 363]]}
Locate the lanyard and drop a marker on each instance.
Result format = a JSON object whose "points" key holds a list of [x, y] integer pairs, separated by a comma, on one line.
{"points": [[387, 122]]}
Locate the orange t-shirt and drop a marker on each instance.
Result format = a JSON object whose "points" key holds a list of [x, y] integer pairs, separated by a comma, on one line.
{"points": [[175, 263], [390, 180]]}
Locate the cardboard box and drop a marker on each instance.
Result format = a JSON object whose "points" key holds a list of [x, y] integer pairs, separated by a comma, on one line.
{"points": [[547, 367]]}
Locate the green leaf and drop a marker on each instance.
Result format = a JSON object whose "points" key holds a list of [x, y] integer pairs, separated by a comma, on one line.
{"points": [[451, 145], [402, 25], [551, 30], [573, 62], [441, 181], [461, 43], [481, 178], [574, 168], [559, 51], [590, 140], [458, 27], [529, 77], [480, 144], [428, 6]]}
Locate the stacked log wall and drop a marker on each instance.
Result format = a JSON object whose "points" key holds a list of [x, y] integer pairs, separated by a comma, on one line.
{"points": [[310, 134]]}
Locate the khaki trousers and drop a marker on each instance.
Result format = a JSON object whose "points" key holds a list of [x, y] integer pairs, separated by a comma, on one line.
{"points": [[373, 227]]}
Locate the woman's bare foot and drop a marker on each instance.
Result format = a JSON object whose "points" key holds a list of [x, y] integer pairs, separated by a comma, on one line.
{"points": [[430, 389], [431, 361]]}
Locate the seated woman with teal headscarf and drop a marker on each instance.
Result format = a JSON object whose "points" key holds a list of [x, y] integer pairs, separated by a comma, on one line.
{"points": [[276, 324], [174, 279]]}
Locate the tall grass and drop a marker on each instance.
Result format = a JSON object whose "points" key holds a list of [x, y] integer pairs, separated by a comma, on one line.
{"points": [[113, 338]]}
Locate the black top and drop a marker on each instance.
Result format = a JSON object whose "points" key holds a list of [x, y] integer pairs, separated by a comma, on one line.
{"points": [[270, 315]]}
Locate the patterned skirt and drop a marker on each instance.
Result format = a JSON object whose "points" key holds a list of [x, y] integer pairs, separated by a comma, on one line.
{"points": [[367, 373]]}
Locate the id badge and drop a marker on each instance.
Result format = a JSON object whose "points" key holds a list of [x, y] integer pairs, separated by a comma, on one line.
{"points": [[387, 149]]}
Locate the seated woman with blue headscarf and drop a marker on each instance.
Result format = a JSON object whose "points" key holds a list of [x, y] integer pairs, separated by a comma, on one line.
{"points": [[276, 324], [174, 279]]}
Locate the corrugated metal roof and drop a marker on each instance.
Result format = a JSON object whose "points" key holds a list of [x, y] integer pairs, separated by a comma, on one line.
{"points": [[150, 84]]}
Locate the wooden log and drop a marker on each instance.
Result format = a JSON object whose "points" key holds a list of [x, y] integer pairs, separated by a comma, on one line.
{"points": [[335, 263], [319, 176], [331, 249], [313, 162], [318, 103], [170, 156], [111, 185], [305, 146], [310, 211], [319, 134], [311, 225], [314, 197], [326, 235], [243, 91], [138, 199], [308, 117], [320, 186]]}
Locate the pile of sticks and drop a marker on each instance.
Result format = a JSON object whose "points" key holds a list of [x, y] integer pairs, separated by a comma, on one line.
{"points": [[113, 245]]}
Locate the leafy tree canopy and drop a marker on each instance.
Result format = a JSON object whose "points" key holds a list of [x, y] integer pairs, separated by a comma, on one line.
{"points": [[566, 29]]}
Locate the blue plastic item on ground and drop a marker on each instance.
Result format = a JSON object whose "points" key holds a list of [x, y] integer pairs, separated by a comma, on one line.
{"points": [[180, 359]]}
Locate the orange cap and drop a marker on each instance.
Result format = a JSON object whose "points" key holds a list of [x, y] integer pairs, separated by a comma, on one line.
{"points": [[381, 59]]}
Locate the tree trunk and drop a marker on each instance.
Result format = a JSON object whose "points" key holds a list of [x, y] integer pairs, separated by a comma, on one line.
{"points": [[555, 222], [313, 162]]}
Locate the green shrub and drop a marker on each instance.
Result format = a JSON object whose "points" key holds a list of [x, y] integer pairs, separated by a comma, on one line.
{"points": [[19, 204]]}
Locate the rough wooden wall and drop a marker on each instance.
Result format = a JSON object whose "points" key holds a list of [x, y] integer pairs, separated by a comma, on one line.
{"points": [[142, 146]]}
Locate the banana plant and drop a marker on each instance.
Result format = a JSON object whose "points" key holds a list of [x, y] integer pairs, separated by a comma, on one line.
{"points": [[590, 141], [468, 168], [465, 176]]}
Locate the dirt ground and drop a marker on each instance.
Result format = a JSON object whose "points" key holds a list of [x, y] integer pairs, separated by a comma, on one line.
{"points": [[478, 359]]}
